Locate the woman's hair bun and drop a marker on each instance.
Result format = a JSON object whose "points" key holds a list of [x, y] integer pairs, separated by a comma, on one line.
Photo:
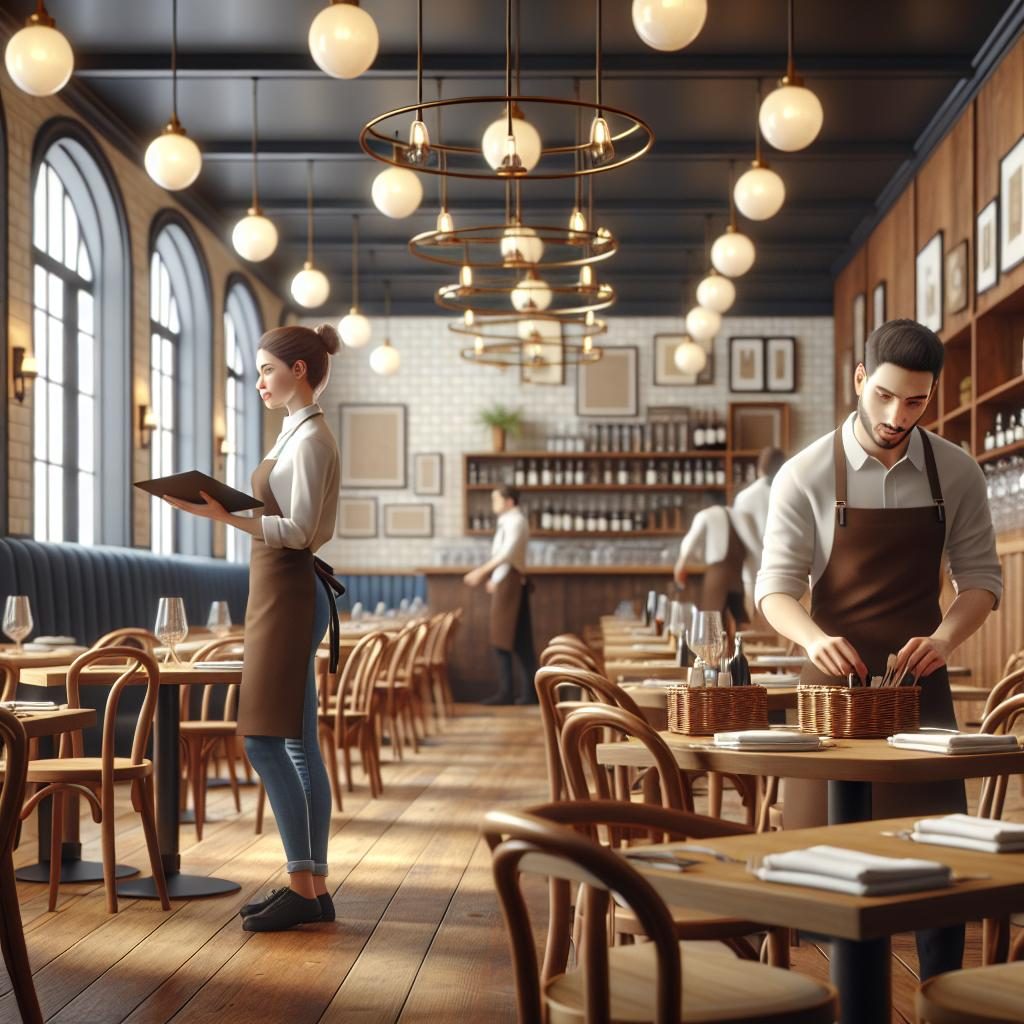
{"points": [[329, 336]]}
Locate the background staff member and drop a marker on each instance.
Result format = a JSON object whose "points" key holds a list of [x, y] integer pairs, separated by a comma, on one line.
{"points": [[750, 516], [511, 627], [870, 513]]}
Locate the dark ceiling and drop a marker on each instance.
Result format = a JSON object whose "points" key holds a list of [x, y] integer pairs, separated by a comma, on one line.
{"points": [[882, 69]]}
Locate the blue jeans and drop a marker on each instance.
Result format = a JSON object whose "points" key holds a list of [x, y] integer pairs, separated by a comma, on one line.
{"points": [[293, 771]]}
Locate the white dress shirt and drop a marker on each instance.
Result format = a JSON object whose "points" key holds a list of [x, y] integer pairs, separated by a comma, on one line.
{"points": [[304, 482], [801, 512], [750, 517], [510, 542], [707, 540]]}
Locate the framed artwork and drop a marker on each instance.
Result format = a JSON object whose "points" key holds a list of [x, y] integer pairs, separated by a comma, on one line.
{"points": [[609, 387], [780, 364], [1011, 203], [860, 326], [357, 517], [956, 278], [372, 443], [986, 248], [878, 305], [746, 364], [928, 279], [428, 473], [667, 374], [409, 520], [757, 425], [549, 369]]}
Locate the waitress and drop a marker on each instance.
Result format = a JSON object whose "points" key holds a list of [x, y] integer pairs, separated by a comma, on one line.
{"points": [[291, 603], [870, 513]]}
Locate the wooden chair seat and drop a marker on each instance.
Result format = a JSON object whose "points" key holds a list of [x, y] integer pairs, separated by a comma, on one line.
{"points": [[85, 769], [978, 995], [692, 925], [716, 987]]}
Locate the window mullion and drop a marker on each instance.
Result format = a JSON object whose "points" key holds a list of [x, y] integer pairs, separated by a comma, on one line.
{"points": [[70, 409]]}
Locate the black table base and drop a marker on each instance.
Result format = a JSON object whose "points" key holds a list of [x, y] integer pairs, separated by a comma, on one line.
{"points": [[179, 887], [74, 870]]}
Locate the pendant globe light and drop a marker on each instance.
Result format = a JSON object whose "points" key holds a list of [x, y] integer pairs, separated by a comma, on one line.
{"points": [[669, 24], [254, 236], [172, 159], [384, 359], [733, 252], [39, 59], [689, 357], [703, 324], [310, 286], [343, 39], [791, 115], [531, 294], [759, 192], [715, 291], [354, 328]]}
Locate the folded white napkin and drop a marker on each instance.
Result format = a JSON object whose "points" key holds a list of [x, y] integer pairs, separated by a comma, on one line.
{"points": [[662, 683], [913, 883], [775, 678], [226, 666], [56, 641], [965, 843], [28, 705], [759, 736], [649, 647], [953, 743], [989, 834], [780, 660]]}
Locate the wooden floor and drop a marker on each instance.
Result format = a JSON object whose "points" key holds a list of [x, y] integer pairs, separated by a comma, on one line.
{"points": [[418, 938]]}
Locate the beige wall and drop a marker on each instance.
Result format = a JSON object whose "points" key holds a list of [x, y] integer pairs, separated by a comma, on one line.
{"points": [[142, 200]]}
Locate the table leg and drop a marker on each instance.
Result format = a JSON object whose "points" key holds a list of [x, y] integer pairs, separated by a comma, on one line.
{"points": [[861, 973], [848, 802], [166, 755]]}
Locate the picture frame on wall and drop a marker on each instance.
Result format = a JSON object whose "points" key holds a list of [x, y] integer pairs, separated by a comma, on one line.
{"points": [[756, 425], [610, 386], [986, 247], [667, 374], [860, 325], [357, 517], [780, 364], [746, 364], [409, 520], [372, 446], [1011, 207], [956, 285], [928, 284], [428, 474], [878, 305], [549, 370]]}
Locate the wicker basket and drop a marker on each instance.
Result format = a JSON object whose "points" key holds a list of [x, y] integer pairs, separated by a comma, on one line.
{"points": [[858, 712], [701, 711]]}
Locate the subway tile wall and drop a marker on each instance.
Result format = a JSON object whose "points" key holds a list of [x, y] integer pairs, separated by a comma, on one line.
{"points": [[444, 396]]}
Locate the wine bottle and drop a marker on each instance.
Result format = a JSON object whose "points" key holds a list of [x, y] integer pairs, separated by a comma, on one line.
{"points": [[739, 667], [684, 656], [720, 434]]}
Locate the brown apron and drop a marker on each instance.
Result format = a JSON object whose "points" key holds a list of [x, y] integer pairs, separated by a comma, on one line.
{"points": [[880, 588], [506, 605], [722, 589]]}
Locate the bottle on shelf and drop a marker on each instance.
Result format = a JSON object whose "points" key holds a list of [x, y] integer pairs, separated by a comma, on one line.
{"points": [[720, 473], [739, 667], [721, 433], [566, 519], [579, 519], [558, 473], [602, 518], [579, 477], [622, 477], [474, 474], [650, 474], [698, 474], [699, 433], [687, 473], [590, 523], [546, 477], [532, 477], [627, 515], [990, 441], [1000, 433], [677, 473]]}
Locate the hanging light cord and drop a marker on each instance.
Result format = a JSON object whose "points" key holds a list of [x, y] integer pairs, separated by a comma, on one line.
{"points": [[597, 61], [439, 145], [790, 69], [174, 61], [577, 156], [387, 312], [255, 156], [508, 64], [355, 261], [309, 212], [757, 121], [707, 238], [519, 46], [419, 59], [732, 207]]}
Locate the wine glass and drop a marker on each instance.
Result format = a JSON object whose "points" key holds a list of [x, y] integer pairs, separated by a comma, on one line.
{"points": [[708, 639], [219, 619], [17, 619], [171, 624], [660, 614]]}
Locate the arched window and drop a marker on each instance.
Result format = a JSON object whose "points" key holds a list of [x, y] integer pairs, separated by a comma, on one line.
{"points": [[164, 345]]}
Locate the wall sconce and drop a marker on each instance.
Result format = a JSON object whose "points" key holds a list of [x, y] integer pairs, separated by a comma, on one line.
{"points": [[147, 424], [225, 447], [23, 370]]}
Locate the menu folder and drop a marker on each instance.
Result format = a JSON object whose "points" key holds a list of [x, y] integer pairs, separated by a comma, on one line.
{"points": [[187, 486]]}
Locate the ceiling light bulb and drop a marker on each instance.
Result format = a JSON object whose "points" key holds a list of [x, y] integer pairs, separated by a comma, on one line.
{"points": [[589, 319], [521, 245], [511, 165], [533, 351], [172, 159], [669, 24], [385, 360], [790, 116], [469, 318], [343, 40], [466, 276], [588, 344], [39, 59], [531, 295], [478, 345], [397, 192], [355, 329], [602, 150], [445, 223], [732, 253], [759, 192], [419, 144], [254, 236], [690, 357], [716, 292], [577, 220], [702, 324], [310, 286], [527, 142], [586, 277]]}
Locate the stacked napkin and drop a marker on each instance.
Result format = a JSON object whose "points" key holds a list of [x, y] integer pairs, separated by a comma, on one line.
{"points": [[853, 872], [662, 682], [224, 666], [954, 742], [767, 739], [28, 705], [987, 834], [775, 678]]}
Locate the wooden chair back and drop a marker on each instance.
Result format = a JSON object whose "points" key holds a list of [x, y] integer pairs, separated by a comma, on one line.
{"points": [[356, 688], [1011, 682], [9, 686], [442, 654], [433, 646], [130, 636], [221, 649], [12, 793], [1000, 719], [563, 654]]}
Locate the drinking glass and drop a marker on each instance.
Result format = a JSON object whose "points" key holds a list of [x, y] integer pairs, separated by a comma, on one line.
{"points": [[17, 619], [357, 611], [380, 610], [675, 619], [219, 619], [660, 614], [171, 624], [708, 639]]}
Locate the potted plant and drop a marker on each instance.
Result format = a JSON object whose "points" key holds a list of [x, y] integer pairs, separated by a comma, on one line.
{"points": [[503, 422]]}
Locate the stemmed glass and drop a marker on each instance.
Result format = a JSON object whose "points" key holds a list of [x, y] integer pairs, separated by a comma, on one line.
{"points": [[708, 640], [17, 619], [219, 619], [171, 624]]}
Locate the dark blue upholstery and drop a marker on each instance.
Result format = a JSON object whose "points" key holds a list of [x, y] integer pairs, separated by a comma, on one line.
{"points": [[371, 589]]}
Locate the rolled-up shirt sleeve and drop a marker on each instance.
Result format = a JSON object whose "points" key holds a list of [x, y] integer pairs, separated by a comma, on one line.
{"points": [[971, 542], [310, 479], [788, 554]]}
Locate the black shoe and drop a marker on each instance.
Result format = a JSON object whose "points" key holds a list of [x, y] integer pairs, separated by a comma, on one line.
{"points": [[288, 910], [327, 911], [255, 907]]}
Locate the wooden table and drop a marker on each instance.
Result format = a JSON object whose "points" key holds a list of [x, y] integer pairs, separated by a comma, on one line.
{"points": [[166, 759], [12, 661], [52, 723], [860, 927]]}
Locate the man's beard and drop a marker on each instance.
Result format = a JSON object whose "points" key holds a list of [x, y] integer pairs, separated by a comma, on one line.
{"points": [[869, 427]]}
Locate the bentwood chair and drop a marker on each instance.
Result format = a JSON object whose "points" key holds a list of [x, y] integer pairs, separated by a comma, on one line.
{"points": [[130, 636], [396, 687], [978, 995], [661, 981], [12, 934], [94, 778]]}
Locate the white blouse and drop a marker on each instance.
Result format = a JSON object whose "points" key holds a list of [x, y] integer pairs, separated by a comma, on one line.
{"points": [[510, 543], [304, 481]]}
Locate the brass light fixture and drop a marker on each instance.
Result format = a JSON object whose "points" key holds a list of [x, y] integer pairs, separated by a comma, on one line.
{"points": [[23, 371], [759, 192], [310, 286], [354, 328], [254, 236], [147, 424], [384, 359], [733, 252]]}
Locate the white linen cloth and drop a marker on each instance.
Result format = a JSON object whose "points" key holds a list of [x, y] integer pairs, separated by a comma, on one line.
{"points": [[987, 834], [766, 739], [953, 743]]}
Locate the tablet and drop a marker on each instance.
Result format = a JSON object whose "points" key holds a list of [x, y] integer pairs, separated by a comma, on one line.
{"points": [[187, 486]]}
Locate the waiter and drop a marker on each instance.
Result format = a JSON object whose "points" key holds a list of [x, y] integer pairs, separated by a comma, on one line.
{"points": [[750, 515], [505, 573], [869, 513]]}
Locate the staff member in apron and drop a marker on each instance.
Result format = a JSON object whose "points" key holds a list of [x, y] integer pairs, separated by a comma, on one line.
{"points": [[870, 513], [291, 603], [750, 516], [511, 627]]}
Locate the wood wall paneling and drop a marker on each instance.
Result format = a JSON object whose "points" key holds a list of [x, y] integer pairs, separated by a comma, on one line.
{"points": [[850, 282], [890, 254]]}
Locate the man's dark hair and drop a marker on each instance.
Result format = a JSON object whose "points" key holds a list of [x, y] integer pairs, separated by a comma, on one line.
{"points": [[508, 493], [769, 462], [906, 344]]}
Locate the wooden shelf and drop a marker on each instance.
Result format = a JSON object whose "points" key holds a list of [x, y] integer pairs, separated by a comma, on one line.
{"points": [[710, 453], [1001, 453], [962, 410], [584, 534], [1014, 384], [614, 488]]}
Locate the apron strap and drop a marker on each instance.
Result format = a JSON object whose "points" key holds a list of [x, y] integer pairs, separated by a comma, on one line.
{"points": [[933, 476], [334, 589], [839, 462]]}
